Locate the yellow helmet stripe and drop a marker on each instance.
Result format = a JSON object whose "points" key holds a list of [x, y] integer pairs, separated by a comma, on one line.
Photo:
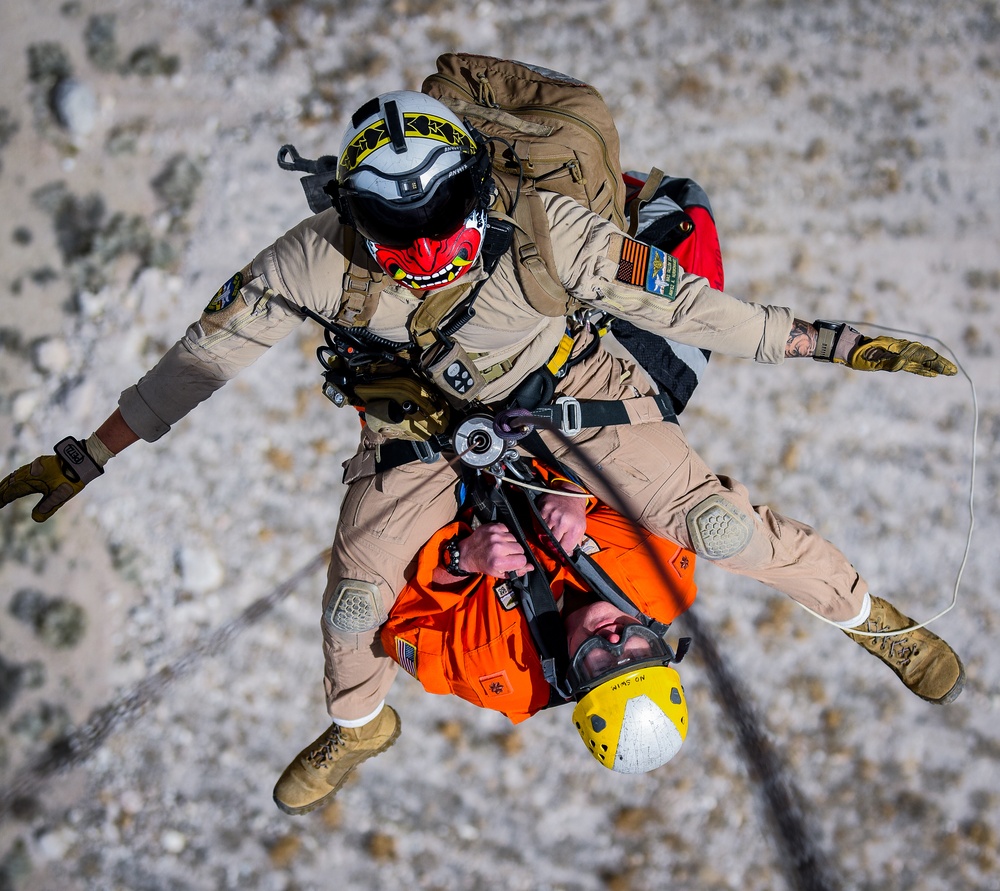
{"points": [[415, 125]]}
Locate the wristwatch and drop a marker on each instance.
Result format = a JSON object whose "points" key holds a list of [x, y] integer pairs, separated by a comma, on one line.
{"points": [[451, 558]]}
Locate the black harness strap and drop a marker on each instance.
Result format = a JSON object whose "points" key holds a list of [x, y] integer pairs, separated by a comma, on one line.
{"points": [[593, 575], [571, 415], [536, 599]]}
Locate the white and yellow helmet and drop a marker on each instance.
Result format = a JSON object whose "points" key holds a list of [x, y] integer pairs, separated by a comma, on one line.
{"points": [[631, 711]]}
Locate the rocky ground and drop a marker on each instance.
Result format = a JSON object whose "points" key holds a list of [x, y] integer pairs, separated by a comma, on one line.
{"points": [[851, 152]]}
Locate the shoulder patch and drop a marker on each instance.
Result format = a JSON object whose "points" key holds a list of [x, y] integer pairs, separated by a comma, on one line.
{"points": [[226, 294], [649, 268], [406, 655]]}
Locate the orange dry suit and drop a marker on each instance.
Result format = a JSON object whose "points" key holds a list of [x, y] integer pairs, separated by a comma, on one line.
{"points": [[460, 638]]}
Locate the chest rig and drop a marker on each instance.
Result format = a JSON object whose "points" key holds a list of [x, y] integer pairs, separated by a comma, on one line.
{"points": [[411, 389], [544, 131]]}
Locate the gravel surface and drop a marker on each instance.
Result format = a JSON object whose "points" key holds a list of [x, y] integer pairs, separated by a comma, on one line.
{"points": [[851, 154]]}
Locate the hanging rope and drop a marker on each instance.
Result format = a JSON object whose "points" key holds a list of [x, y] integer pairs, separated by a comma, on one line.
{"points": [[84, 740]]}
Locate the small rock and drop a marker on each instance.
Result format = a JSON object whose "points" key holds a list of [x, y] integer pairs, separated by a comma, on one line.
{"points": [[16, 863], [53, 846], [24, 405], [173, 842], [75, 106], [200, 569], [149, 60], [8, 127], [131, 801], [52, 355]]}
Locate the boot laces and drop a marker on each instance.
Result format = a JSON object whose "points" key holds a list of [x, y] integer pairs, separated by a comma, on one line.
{"points": [[895, 647], [324, 751]]}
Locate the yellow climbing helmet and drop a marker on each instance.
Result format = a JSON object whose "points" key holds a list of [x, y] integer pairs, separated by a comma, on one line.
{"points": [[631, 711]]}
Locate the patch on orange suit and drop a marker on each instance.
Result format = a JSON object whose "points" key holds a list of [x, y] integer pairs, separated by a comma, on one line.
{"points": [[406, 655], [497, 684]]}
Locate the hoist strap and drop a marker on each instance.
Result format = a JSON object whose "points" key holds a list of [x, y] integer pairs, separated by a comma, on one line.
{"points": [[570, 416], [537, 601], [567, 415], [397, 452], [590, 572]]}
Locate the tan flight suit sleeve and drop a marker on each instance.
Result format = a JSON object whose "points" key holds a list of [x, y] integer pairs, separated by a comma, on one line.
{"points": [[252, 311], [588, 251]]}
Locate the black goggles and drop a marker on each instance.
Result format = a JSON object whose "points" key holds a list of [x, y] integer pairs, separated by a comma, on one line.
{"points": [[598, 660], [433, 213]]}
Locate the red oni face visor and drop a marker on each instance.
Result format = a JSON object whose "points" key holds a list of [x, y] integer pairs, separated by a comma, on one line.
{"points": [[430, 263]]}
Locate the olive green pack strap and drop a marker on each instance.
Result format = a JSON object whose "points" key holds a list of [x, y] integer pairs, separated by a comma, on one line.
{"points": [[644, 196], [362, 283], [534, 259]]}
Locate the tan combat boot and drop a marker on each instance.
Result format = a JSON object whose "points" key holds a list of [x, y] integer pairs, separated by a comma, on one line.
{"points": [[319, 770], [924, 662]]}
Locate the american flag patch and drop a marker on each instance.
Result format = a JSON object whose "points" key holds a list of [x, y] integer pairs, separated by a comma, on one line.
{"points": [[632, 266], [406, 655], [648, 267]]}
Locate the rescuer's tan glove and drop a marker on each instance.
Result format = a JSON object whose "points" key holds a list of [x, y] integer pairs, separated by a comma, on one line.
{"points": [[839, 342], [892, 354], [57, 478]]}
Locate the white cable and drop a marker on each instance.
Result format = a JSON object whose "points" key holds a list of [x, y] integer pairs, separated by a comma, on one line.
{"points": [[513, 482], [972, 485]]}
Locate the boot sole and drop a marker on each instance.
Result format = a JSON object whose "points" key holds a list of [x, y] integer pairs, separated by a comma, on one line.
{"points": [[307, 808]]}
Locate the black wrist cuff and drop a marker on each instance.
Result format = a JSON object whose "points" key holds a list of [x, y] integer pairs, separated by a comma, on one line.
{"points": [[76, 462], [826, 341]]}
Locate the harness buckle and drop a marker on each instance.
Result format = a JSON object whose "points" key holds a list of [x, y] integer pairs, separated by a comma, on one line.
{"points": [[425, 451], [571, 421]]}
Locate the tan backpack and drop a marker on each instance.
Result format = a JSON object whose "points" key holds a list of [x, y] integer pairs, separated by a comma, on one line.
{"points": [[565, 138], [560, 128]]}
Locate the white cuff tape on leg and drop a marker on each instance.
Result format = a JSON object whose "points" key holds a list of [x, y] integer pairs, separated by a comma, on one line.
{"points": [[359, 722], [866, 608]]}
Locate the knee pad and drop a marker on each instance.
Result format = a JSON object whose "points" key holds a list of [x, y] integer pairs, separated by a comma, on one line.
{"points": [[354, 608], [719, 529]]}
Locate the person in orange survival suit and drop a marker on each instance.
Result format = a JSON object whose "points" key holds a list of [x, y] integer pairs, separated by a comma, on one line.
{"points": [[456, 628]]}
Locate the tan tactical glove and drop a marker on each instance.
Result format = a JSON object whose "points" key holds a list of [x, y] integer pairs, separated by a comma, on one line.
{"points": [[839, 342], [56, 477], [892, 354]]}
